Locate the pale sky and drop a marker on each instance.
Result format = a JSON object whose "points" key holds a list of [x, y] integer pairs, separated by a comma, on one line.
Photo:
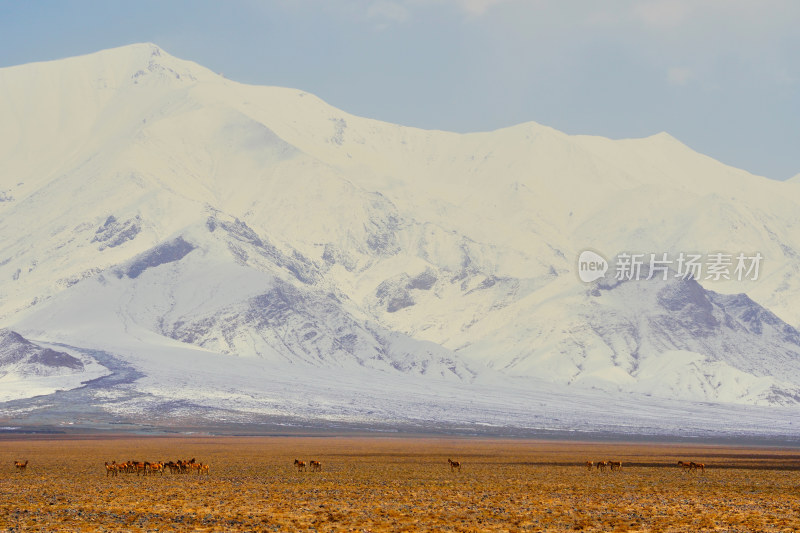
{"points": [[723, 76]]}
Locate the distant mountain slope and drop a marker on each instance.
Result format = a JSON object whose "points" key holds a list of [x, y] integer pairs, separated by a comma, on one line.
{"points": [[28, 369], [671, 339], [146, 201], [26, 356]]}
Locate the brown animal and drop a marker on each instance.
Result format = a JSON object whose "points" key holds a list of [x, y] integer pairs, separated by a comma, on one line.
{"points": [[301, 465], [615, 465], [697, 466], [589, 465], [454, 465], [111, 469], [182, 466], [20, 466], [152, 468], [692, 466], [139, 468], [316, 466], [601, 465], [203, 469]]}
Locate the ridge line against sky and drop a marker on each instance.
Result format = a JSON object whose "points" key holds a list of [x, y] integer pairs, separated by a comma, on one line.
{"points": [[722, 76]]}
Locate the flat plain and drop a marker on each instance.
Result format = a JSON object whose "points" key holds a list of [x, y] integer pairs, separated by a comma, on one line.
{"points": [[395, 484]]}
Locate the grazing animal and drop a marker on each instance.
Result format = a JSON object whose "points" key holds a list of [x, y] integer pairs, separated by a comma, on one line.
{"points": [[692, 466], [454, 465], [316, 466], [589, 465], [111, 469], [615, 465], [601, 465], [181, 467], [20, 466], [156, 467], [140, 468], [203, 469], [697, 466], [301, 465]]}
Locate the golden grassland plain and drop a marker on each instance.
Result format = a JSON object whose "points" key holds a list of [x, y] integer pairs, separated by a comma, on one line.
{"points": [[396, 484]]}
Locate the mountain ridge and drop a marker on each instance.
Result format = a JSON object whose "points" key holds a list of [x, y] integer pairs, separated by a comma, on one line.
{"points": [[339, 242]]}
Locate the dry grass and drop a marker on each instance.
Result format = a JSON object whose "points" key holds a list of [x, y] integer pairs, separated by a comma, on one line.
{"points": [[396, 485]]}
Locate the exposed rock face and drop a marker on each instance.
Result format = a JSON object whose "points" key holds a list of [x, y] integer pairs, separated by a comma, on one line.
{"points": [[29, 358]]}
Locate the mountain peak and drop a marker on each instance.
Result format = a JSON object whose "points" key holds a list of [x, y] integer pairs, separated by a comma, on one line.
{"points": [[143, 59], [140, 51], [145, 47], [115, 67], [663, 137]]}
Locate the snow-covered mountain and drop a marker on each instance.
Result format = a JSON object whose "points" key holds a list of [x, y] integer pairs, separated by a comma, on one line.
{"points": [[28, 369], [257, 251]]}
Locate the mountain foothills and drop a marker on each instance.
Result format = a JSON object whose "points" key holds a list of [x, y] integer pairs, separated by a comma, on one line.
{"points": [[176, 247]]}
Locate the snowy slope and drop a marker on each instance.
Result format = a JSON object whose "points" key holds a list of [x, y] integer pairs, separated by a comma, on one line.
{"points": [[147, 204], [672, 339], [29, 369]]}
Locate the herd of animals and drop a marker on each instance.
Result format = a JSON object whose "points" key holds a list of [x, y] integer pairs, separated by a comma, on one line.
{"points": [[183, 467], [690, 466], [315, 466], [145, 467], [601, 465]]}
